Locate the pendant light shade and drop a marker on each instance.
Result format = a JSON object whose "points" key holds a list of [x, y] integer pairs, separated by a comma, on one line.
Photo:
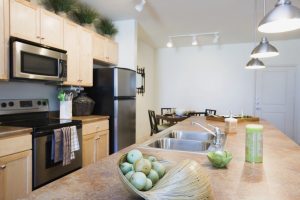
{"points": [[264, 50], [284, 17], [255, 63]]}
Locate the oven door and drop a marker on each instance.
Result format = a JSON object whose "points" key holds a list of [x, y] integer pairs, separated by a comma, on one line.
{"points": [[34, 62], [44, 169]]}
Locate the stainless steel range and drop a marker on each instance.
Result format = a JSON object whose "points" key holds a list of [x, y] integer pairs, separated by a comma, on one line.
{"points": [[35, 114]]}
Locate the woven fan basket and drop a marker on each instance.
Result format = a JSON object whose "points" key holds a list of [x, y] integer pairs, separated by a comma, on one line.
{"points": [[185, 180]]}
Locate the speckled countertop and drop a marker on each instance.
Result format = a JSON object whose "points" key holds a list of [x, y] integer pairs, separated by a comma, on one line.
{"points": [[7, 131], [277, 178]]}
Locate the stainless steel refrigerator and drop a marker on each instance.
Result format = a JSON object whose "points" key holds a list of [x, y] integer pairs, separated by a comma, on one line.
{"points": [[114, 92]]}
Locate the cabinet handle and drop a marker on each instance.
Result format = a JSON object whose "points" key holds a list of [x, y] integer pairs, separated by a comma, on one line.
{"points": [[38, 37], [3, 166], [42, 38]]}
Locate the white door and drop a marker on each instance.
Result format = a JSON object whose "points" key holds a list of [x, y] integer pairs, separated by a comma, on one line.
{"points": [[275, 97]]}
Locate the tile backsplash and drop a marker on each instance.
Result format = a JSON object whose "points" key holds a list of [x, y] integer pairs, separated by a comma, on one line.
{"points": [[32, 90]]}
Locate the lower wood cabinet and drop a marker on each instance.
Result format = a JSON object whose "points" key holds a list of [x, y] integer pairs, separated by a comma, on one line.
{"points": [[95, 147], [15, 175], [95, 142]]}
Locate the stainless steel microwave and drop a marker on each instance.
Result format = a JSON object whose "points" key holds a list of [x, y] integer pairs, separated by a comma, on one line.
{"points": [[37, 62]]}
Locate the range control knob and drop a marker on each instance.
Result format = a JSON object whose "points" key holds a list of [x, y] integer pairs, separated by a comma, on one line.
{"points": [[3, 105], [44, 103], [11, 104], [39, 103]]}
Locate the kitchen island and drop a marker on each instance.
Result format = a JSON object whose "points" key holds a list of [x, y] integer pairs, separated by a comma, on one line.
{"points": [[278, 177]]}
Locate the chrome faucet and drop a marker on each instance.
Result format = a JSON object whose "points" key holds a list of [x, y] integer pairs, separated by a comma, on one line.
{"points": [[219, 135]]}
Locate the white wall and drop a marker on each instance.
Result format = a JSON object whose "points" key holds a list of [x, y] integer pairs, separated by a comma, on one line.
{"points": [[214, 77], [146, 59], [127, 40]]}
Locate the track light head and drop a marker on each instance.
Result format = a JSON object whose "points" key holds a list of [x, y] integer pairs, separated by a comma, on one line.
{"points": [[139, 7]]}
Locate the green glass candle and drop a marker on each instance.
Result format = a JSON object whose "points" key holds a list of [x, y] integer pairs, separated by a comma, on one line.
{"points": [[254, 143]]}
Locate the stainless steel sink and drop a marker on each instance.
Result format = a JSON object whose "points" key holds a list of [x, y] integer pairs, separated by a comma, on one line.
{"points": [[180, 144], [189, 135]]}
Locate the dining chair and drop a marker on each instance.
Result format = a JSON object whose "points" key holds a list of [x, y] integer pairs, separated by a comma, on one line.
{"points": [[164, 111], [210, 112], [154, 124], [196, 114]]}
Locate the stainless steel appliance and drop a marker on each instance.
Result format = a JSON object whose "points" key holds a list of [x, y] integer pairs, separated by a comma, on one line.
{"points": [[34, 114], [34, 61], [114, 92]]}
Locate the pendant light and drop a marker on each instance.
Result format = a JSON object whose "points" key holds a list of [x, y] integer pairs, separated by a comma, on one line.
{"points": [[255, 63], [264, 49], [284, 17]]}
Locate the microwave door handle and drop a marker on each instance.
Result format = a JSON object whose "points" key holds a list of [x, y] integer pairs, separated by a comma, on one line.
{"points": [[60, 68]]}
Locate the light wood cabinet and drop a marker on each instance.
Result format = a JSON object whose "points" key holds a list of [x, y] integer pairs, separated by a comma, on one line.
{"points": [[70, 40], [95, 142], [3, 43], [85, 58], [30, 22], [104, 49], [51, 29], [78, 44], [112, 55], [25, 20], [15, 175]]}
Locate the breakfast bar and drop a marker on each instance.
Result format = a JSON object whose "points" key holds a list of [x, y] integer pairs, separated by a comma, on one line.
{"points": [[278, 177]]}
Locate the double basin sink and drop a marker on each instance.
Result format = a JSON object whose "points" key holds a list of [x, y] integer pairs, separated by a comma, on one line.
{"points": [[199, 142]]}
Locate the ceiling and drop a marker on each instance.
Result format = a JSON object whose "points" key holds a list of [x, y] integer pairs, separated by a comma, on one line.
{"points": [[234, 19]]}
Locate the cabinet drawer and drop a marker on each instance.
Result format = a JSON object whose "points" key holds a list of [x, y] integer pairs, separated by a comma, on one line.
{"points": [[95, 127], [16, 144]]}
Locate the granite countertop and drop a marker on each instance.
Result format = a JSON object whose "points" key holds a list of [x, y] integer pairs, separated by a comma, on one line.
{"points": [[278, 177], [90, 118], [8, 131]]}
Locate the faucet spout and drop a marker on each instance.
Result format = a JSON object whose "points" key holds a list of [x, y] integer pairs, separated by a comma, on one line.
{"points": [[211, 132]]}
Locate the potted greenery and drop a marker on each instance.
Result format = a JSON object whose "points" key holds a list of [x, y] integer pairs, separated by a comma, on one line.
{"points": [[106, 27], [60, 7], [85, 15]]}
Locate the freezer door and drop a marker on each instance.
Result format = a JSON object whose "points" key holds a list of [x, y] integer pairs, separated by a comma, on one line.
{"points": [[124, 83], [124, 123]]}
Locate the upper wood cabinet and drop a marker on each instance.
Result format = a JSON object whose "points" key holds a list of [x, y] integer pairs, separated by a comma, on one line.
{"points": [[52, 31], [78, 44], [70, 45], [3, 42], [85, 58], [30, 22], [104, 49], [25, 20]]}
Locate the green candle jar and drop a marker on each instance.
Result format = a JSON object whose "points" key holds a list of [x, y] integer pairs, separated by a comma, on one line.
{"points": [[254, 143]]}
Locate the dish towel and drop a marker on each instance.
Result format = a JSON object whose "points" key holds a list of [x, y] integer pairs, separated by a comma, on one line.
{"points": [[57, 146], [74, 142], [66, 132]]}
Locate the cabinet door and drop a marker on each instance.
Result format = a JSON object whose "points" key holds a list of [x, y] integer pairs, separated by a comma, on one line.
{"points": [[3, 70], [71, 46], [102, 145], [112, 49], [15, 175], [99, 47], [51, 29], [85, 58], [25, 20], [88, 149]]}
